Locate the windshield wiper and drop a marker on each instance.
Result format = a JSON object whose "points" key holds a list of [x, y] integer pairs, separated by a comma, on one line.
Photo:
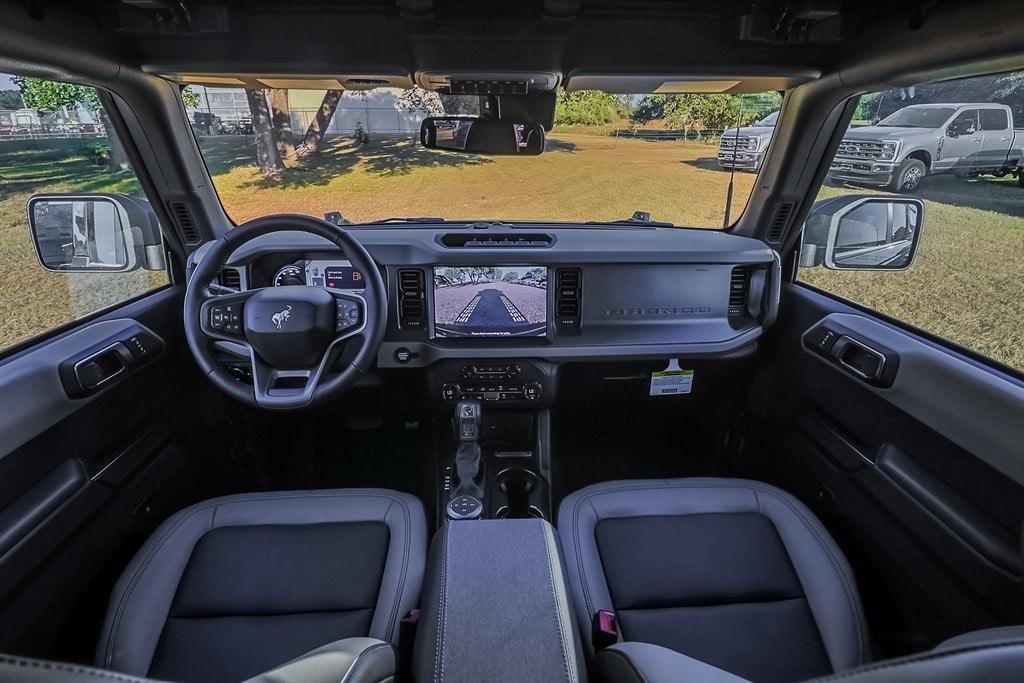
{"points": [[399, 219], [638, 218], [336, 218]]}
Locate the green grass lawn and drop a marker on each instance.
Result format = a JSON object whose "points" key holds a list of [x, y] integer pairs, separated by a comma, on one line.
{"points": [[965, 285], [34, 300]]}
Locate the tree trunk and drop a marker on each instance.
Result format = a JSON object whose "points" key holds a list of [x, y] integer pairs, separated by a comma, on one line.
{"points": [[281, 116], [118, 157], [318, 126], [267, 156]]}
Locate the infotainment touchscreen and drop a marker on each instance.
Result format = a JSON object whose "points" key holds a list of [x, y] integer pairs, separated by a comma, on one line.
{"points": [[490, 301]]}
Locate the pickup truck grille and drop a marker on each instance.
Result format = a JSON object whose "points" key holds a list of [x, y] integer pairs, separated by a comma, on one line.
{"points": [[743, 143], [860, 149]]}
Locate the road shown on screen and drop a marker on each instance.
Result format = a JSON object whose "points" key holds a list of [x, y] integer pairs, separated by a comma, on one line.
{"points": [[490, 302]]}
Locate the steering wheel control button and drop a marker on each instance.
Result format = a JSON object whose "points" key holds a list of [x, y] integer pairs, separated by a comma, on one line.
{"points": [[464, 507], [347, 314], [217, 317], [233, 318]]}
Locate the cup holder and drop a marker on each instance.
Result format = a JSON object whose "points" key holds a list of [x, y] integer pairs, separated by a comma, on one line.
{"points": [[517, 484], [505, 512]]}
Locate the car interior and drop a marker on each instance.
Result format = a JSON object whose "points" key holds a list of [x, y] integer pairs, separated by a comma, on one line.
{"points": [[330, 446]]}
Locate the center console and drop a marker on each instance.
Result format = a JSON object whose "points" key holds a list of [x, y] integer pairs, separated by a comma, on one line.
{"points": [[489, 584], [498, 448]]}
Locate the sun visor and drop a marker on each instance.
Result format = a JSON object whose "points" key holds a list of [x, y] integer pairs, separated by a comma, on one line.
{"points": [[294, 81], [733, 84]]}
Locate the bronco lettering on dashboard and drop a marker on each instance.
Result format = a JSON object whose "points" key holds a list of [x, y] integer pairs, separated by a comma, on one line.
{"points": [[653, 311]]}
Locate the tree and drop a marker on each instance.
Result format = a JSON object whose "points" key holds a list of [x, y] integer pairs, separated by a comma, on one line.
{"points": [[189, 97], [649, 108], [267, 156], [426, 101], [713, 111], [10, 99], [585, 108], [50, 96], [281, 120], [318, 126]]}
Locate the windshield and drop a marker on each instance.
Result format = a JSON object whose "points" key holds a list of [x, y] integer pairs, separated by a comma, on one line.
{"points": [[918, 117], [358, 154], [768, 121]]}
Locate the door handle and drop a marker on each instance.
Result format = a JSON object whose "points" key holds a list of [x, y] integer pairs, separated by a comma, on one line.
{"points": [[858, 358], [96, 370], [109, 361]]}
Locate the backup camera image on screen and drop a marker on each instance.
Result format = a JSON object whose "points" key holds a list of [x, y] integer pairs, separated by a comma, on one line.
{"points": [[482, 301]]}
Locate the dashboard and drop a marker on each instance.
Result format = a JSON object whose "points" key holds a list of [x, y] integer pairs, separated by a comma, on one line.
{"points": [[478, 291]]}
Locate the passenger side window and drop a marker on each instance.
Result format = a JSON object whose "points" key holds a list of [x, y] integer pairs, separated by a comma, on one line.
{"points": [[56, 138], [954, 274]]}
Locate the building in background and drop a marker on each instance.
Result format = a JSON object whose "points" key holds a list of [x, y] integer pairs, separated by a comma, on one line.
{"points": [[376, 111]]}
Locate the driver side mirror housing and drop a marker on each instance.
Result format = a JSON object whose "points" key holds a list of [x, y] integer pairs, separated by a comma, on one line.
{"points": [[862, 232], [95, 233]]}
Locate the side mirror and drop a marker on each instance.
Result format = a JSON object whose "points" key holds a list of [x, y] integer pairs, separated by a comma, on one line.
{"points": [[482, 136], [862, 232], [95, 233], [953, 130]]}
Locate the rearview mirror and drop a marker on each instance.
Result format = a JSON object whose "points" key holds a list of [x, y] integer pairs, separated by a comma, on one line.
{"points": [[862, 232], [481, 136], [95, 233]]}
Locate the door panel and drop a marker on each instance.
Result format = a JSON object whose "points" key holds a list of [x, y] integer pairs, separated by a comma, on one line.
{"points": [[85, 479], [921, 482]]}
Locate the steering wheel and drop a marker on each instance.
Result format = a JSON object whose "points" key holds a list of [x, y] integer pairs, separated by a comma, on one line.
{"points": [[294, 335]]}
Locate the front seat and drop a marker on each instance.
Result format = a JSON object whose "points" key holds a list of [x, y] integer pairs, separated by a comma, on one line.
{"points": [[234, 586], [734, 573]]}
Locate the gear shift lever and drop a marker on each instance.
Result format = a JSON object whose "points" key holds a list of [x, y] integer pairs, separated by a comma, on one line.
{"points": [[467, 420], [466, 500]]}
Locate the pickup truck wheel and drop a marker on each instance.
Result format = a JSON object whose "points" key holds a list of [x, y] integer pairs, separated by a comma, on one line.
{"points": [[908, 176]]}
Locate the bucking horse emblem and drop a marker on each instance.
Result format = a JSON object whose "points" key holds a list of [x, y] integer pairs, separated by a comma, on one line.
{"points": [[280, 317]]}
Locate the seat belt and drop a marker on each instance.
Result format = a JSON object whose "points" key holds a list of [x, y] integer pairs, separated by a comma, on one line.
{"points": [[604, 631]]}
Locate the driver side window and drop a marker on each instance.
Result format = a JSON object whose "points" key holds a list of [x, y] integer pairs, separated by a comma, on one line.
{"points": [[56, 138], [966, 122]]}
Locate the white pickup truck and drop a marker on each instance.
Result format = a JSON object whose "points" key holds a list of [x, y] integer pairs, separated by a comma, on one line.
{"points": [[927, 139]]}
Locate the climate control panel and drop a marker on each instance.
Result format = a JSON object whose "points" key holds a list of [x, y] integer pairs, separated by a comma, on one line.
{"points": [[491, 391], [521, 382]]}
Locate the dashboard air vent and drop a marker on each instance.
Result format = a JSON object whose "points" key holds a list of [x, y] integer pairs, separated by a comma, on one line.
{"points": [[186, 224], [780, 221], [411, 302], [230, 278], [461, 240], [738, 284], [568, 299]]}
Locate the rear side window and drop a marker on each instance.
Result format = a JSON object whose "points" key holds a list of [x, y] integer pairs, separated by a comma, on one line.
{"points": [[55, 138], [994, 119]]}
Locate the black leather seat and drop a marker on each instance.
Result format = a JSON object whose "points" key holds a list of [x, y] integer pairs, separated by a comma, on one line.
{"points": [[734, 573], [234, 586]]}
